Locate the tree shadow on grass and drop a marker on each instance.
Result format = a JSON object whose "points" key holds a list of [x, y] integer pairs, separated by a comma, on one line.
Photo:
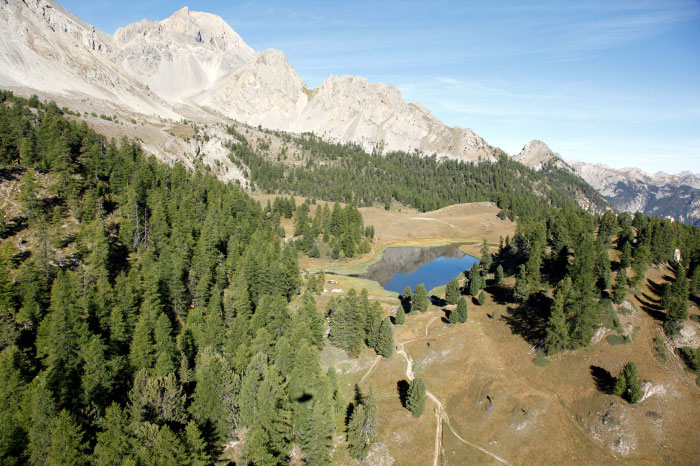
{"points": [[656, 288], [405, 304], [14, 226], [501, 295], [604, 380], [402, 389], [446, 318], [529, 320], [437, 301], [650, 306], [10, 173]]}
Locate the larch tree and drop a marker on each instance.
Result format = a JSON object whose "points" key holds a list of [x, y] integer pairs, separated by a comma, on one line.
{"points": [[499, 275], [619, 290], [114, 441], [528, 280], [363, 427], [475, 280], [452, 293], [557, 330], [627, 385], [676, 301], [385, 339], [67, 445], [415, 398], [400, 317], [486, 257], [461, 313], [420, 299]]}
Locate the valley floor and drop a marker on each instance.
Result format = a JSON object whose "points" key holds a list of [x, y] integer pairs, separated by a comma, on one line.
{"points": [[487, 402]]}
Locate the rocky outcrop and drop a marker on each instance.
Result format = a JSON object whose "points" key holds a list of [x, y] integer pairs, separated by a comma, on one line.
{"points": [[537, 155], [46, 49]]}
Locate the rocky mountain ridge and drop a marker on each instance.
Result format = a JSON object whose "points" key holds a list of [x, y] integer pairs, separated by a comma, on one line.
{"points": [[537, 155], [627, 189], [194, 66], [194, 61], [631, 190]]}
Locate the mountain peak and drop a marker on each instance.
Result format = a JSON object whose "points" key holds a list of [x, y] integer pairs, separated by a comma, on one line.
{"points": [[198, 48], [536, 154], [193, 62]]}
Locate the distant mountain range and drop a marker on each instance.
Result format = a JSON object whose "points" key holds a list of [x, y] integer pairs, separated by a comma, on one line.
{"points": [[194, 66], [628, 189]]}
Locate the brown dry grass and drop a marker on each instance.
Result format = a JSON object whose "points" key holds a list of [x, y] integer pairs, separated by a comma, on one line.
{"points": [[541, 415]]}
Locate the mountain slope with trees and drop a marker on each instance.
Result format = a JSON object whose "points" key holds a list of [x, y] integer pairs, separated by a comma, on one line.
{"points": [[145, 310]]}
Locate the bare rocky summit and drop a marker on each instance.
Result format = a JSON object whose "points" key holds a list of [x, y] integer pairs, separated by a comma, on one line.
{"points": [[537, 155], [195, 62]]}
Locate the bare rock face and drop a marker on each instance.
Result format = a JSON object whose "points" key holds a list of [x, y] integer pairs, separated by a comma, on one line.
{"points": [[46, 49], [536, 155], [375, 115], [182, 55], [265, 91], [195, 60], [631, 190]]}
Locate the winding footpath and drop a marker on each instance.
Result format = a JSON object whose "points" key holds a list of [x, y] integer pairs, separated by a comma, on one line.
{"points": [[369, 371], [440, 411]]}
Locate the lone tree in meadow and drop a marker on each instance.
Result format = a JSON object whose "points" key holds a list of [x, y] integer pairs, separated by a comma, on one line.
{"points": [[627, 385], [385, 339], [461, 311], [420, 299], [415, 398], [499, 275], [452, 293], [486, 258], [400, 317], [482, 298]]}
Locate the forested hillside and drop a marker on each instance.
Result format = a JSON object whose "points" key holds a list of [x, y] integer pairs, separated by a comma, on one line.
{"points": [[346, 173], [153, 316], [588, 262], [144, 310]]}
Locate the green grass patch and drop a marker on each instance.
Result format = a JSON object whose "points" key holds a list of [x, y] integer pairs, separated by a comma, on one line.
{"points": [[617, 339], [695, 318], [541, 361], [608, 316], [438, 291], [627, 307], [660, 349], [635, 332]]}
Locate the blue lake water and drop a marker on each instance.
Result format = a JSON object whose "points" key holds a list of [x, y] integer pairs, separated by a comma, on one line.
{"points": [[409, 266]]}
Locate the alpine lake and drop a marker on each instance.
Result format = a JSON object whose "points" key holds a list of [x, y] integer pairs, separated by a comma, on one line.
{"points": [[433, 266]]}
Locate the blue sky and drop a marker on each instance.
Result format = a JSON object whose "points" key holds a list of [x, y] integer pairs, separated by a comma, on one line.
{"points": [[616, 82]]}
